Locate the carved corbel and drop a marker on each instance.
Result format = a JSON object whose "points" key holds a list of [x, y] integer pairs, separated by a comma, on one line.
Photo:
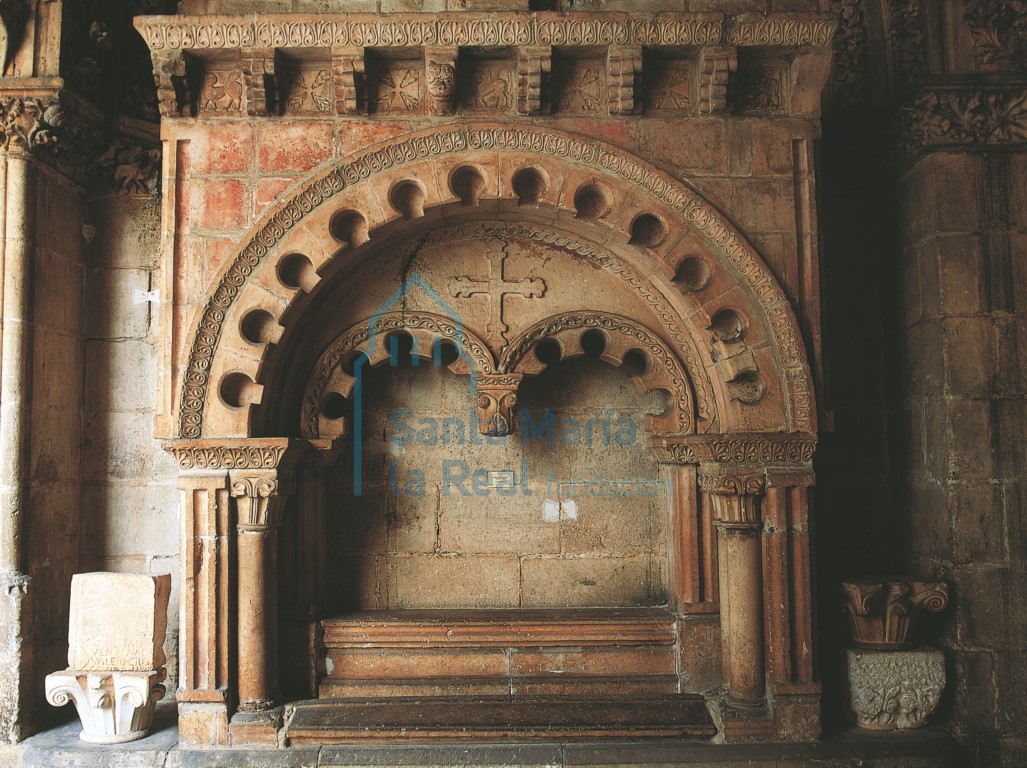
{"points": [[534, 64], [497, 399], [259, 76], [716, 63], [440, 65], [348, 78], [624, 63], [171, 75]]}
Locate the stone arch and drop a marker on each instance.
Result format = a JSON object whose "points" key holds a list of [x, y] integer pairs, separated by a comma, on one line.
{"points": [[729, 372]]}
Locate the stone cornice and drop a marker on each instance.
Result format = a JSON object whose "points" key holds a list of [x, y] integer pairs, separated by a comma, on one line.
{"points": [[778, 449], [246, 453], [197, 33]]}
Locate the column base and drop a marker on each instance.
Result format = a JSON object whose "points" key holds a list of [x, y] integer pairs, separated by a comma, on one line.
{"points": [[256, 729], [202, 725]]}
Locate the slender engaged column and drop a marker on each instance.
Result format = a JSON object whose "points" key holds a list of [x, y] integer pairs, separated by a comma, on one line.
{"points": [[259, 500], [736, 515]]}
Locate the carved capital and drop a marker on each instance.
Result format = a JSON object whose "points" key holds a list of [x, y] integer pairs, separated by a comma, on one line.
{"points": [[258, 499], [30, 122], [715, 66], [533, 67], [733, 494], [964, 117], [497, 400], [440, 67], [999, 33], [114, 707], [883, 612]]}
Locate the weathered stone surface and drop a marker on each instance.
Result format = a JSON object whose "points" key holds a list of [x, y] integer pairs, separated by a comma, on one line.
{"points": [[895, 690], [118, 621]]}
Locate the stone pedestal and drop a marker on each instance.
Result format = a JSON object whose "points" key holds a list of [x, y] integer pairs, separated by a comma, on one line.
{"points": [[894, 690], [115, 654]]}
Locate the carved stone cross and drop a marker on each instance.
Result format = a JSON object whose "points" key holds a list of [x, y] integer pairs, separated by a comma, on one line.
{"points": [[496, 287]]}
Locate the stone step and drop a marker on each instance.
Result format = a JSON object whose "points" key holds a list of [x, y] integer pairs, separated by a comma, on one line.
{"points": [[500, 651], [549, 685], [501, 628], [413, 719]]}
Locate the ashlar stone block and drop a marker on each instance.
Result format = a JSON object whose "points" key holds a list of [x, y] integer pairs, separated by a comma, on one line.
{"points": [[118, 621]]}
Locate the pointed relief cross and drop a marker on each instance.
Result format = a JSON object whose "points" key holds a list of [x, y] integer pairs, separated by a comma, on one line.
{"points": [[496, 287]]}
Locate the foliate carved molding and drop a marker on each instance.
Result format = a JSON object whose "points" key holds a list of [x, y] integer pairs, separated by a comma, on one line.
{"points": [[999, 30], [455, 139], [777, 449], [29, 122], [884, 611], [906, 42], [848, 73], [963, 117], [67, 134], [225, 455], [465, 29], [895, 690], [782, 29]]}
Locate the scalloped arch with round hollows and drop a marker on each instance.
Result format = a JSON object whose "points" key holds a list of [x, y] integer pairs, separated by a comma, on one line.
{"points": [[364, 182]]}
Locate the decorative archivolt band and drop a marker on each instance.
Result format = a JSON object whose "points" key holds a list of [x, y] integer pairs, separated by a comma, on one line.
{"points": [[477, 29], [459, 138], [665, 371]]}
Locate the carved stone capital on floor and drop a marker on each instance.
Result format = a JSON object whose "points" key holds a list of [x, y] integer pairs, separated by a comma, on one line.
{"points": [[883, 611], [114, 706], [895, 690]]}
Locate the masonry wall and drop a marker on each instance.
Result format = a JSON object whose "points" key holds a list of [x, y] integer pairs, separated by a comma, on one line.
{"points": [[53, 526], [960, 423], [130, 495], [427, 532]]}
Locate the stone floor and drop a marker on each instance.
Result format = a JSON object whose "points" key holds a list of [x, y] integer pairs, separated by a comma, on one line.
{"points": [[927, 748]]}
